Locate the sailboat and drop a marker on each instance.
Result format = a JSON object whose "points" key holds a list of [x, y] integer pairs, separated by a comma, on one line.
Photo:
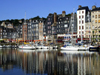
{"points": [[41, 46], [26, 46], [69, 46]]}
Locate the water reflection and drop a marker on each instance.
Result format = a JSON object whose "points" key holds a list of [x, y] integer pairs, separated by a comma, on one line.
{"points": [[49, 62]]}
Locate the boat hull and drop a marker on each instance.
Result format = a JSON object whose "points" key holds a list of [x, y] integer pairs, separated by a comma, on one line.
{"points": [[69, 48], [96, 49], [26, 47]]}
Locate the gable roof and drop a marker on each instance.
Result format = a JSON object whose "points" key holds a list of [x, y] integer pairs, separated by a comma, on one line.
{"points": [[86, 8], [96, 9]]}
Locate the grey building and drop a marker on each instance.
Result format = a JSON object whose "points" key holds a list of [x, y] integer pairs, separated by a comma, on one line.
{"points": [[63, 24], [49, 22], [19, 31], [73, 23]]}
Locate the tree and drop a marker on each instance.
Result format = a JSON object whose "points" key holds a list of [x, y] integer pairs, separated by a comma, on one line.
{"points": [[16, 22]]}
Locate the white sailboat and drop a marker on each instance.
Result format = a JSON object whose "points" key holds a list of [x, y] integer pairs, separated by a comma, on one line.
{"points": [[26, 46], [69, 46]]}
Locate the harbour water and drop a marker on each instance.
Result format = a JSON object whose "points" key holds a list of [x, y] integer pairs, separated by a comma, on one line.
{"points": [[53, 62]]}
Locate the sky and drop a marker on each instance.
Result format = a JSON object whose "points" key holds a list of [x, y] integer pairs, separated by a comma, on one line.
{"points": [[15, 9]]}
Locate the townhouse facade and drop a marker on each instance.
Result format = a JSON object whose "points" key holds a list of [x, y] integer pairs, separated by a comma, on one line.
{"points": [[95, 22], [81, 20], [24, 31], [7, 32], [85, 25]]}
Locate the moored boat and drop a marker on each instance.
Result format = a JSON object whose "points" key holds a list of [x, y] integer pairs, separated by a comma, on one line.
{"points": [[94, 48], [26, 47]]}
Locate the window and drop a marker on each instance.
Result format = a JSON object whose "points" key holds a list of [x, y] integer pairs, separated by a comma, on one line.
{"points": [[79, 22], [95, 16], [49, 19], [49, 31], [65, 21], [24, 26], [65, 25], [36, 25], [79, 12], [82, 11], [49, 22], [92, 16], [98, 21], [82, 22], [82, 32], [89, 27], [99, 31], [89, 31], [86, 27], [50, 27], [79, 27], [66, 18], [79, 17], [82, 27], [82, 16], [95, 21], [92, 31]]}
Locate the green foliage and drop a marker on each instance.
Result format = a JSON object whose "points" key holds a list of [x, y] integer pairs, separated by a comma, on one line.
{"points": [[15, 22], [35, 18], [44, 18], [68, 15]]}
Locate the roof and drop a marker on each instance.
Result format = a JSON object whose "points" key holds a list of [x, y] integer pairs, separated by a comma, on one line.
{"points": [[86, 8], [96, 9]]}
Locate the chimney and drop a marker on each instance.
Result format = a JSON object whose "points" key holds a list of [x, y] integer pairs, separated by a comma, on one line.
{"points": [[30, 20], [71, 14], [63, 13], [55, 17], [79, 6], [93, 7]]}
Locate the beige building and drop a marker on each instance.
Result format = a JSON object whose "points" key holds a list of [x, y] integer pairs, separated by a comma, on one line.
{"points": [[41, 31], [24, 31], [95, 21], [88, 30]]}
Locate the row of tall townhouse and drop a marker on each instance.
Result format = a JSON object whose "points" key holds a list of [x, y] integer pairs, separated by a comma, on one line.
{"points": [[85, 25], [55, 25], [88, 23], [31, 30], [7, 31]]}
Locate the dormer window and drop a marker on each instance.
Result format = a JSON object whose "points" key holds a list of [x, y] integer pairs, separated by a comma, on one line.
{"points": [[59, 22], [48, 19]]}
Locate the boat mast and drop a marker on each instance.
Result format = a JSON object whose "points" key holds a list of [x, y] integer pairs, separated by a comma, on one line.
{"points": [[24, 23], [89, 26], [81, 30], [31, 32], [72, 25]]}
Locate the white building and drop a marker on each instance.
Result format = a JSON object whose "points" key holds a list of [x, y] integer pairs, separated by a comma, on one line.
{"points": [[81, 20]]}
